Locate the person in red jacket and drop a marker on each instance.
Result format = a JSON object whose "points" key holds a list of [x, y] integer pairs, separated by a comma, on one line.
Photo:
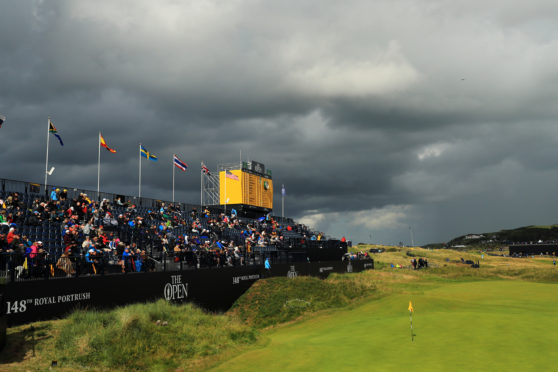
{"points": [[12, 235]]}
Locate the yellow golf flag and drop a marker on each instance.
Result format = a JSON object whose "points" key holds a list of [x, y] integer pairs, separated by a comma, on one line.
{"points": [[411, 307], [25, 264]]}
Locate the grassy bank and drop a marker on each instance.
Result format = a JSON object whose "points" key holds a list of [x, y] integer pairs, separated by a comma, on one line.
{"points": [[279, 300], [157, 336]]}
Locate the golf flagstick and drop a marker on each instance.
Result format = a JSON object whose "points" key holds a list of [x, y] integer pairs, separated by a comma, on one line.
{"points": [[411, 319]]}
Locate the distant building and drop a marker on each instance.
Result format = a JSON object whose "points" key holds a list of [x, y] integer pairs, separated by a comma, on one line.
{"points": [[474, 236]]}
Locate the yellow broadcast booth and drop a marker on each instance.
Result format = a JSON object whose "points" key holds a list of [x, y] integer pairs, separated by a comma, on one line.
{"points": [[250, 186]]}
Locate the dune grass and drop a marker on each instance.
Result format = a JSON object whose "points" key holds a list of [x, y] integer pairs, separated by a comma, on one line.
{"points": [[279, 300], [156, 336]]}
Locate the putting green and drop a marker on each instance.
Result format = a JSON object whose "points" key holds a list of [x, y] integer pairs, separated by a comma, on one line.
{"points": [[488, 326]]}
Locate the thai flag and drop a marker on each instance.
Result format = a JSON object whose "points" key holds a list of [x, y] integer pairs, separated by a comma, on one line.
{"points": [[205, 169], [179, 163]]}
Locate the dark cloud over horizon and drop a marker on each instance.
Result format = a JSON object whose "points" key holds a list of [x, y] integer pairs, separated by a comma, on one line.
{"points": [[376, 116]]}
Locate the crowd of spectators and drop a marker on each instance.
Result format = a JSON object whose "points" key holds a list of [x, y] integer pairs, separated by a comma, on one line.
{"points": [[91, 236]]}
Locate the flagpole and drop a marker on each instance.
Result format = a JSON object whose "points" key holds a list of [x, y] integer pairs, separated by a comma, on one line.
{"points": [[411, 310], [139, 183], [283, 201], [411, 318], [46, 162], [173, 155], [225, 192], [201, 188], [99, 170]]}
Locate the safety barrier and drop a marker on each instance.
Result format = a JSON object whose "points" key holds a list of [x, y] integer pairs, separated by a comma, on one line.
{"points": [[212, 289]]}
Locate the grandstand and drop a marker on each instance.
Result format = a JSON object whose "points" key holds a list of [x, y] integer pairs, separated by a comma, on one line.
{"points": [[67, 247], [128, 234]]}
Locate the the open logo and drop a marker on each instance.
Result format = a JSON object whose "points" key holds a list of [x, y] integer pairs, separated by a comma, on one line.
{"points": [[176, 290]]}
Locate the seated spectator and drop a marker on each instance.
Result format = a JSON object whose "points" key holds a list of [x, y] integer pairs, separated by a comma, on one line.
{"points": [[3, 219], [34, 219], [12, 237], [3, 243]]}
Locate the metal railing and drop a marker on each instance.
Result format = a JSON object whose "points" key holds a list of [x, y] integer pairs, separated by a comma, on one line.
{"points": [[36, 190], [43, 266]]}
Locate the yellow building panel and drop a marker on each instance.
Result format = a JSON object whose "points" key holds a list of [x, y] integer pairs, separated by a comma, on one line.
{"points": [[267, 193], [249, 189], [230, 188]]}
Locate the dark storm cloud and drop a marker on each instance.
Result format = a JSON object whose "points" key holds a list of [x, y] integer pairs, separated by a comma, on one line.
{"points": [[376, 116]]}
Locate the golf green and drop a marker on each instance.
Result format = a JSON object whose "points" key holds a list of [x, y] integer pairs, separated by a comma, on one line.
{"points": [[486, 326]]}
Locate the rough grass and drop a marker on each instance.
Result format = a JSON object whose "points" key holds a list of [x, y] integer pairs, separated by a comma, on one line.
{"points": [[451, 258], [133, 338], [279, 300]]}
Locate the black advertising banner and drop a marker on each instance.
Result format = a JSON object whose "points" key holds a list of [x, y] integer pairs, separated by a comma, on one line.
{"points": [[213, 289], [3, 324], [289, 270]]}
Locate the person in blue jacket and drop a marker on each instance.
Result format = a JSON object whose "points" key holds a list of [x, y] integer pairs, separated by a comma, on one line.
{"points": [[267, 266], [54, 194], [126, 258], [89, 259]]}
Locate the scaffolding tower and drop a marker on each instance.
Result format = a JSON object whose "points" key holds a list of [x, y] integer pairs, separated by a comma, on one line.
{"points": [[210, 183]]}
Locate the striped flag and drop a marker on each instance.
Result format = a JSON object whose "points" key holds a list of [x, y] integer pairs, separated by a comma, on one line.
{"points": [[52, 129], [205, 169], [179, 163], [231, 175], [2, 120], [104, 144]]}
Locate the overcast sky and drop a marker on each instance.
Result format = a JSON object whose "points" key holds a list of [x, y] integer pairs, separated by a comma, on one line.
{"points": [[377, 116]]}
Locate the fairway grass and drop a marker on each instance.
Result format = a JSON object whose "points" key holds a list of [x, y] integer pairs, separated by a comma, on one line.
{"points": [[471, 326]]}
